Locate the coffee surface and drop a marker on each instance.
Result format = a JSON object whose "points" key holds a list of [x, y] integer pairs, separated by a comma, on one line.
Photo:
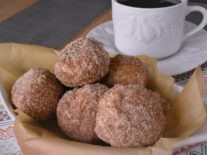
{"points": [[149, 3]]}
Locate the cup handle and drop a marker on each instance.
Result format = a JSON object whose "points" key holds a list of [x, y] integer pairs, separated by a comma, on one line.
{"points": [[203, 11]]}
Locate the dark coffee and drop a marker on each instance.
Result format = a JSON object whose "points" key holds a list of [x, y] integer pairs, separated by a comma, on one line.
{"points": [[149, 3]]}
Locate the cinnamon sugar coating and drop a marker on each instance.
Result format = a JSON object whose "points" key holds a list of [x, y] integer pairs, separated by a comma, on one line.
{"points": [[81, 62], [126, 70], [37, 93], [130, 116], [76, 112]]}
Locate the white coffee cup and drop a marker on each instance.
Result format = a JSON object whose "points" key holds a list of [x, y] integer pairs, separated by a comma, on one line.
{"points": [[156, 32]]}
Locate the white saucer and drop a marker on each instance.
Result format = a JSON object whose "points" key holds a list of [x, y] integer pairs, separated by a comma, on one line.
{"points": [[192, 53]]}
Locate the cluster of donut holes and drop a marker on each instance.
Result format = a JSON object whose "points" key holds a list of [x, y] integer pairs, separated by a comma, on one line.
{"points": [[120, 111]]}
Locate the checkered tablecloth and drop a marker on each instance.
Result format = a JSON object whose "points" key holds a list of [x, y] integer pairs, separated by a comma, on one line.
{"points": [[8, 142]]}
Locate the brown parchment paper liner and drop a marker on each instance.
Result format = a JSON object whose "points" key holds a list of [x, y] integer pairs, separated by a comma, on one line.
{"points": [[16, 59], [35, 138]]}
